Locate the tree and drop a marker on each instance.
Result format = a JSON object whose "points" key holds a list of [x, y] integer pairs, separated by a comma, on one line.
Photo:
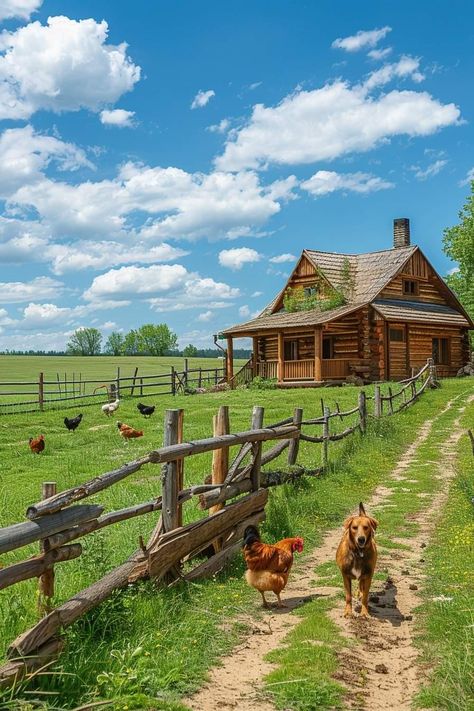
{"points": [[85, 341], [156, 339], [115, 344], [130, 343], [458, 244], [190, 351]]}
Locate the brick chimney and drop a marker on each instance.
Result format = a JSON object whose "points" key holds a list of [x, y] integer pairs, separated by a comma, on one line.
{"points": [[401, 232]]}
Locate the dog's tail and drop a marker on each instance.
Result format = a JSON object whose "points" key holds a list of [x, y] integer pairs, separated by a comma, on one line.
{"points": [[362, 510]]}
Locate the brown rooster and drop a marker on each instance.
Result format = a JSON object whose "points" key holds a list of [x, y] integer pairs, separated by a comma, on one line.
{"points": [[37, 444], [268, 566], [128, 432]]}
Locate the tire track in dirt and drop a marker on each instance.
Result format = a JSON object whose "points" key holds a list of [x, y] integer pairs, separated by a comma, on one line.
{"points": [[236, 683]]}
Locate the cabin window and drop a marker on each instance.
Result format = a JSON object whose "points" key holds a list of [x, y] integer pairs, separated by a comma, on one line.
{"points": [[310, 290], [440, 351], [397, 334], [410, 287], [328, 347], [291, 350]]}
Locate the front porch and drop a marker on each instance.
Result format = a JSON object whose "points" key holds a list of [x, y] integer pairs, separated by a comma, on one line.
{"points": [[304, 369]]}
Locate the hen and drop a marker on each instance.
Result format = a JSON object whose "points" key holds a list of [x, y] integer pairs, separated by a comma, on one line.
{"points": [[110, 407], [72, 423], [146, 410], [268, 566], [37, 444], [128, 432]]}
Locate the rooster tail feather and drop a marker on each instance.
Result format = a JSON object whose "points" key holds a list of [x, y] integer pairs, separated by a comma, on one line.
{"points": [[251, 535]]}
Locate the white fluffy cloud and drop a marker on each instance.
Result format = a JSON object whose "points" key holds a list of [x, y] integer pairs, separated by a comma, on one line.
{"points": [[23, 9], [191, 205], [327, 181], [236, 258], [25, 153], [117, 117], [64, 65], [39, 288], [405, 67], [205, 316], [377, 54], [282, 258], [329, 122], [202, 98], [221, 127], [361, 40], [429, 172], [469, 177], [102, 255]]}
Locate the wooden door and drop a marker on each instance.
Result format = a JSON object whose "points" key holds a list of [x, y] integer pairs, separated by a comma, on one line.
{"points": [[397, 351]]}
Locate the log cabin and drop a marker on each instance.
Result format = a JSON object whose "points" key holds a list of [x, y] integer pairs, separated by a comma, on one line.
{"points": [[375, 316]]}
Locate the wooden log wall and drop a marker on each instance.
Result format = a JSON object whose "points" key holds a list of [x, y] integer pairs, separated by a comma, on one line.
{"points": [[421, 346], [430, 287]]}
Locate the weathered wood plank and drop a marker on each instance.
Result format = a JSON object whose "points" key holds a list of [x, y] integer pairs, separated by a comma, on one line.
{"points": [[34, 567], [15, 670], [21, 534]]}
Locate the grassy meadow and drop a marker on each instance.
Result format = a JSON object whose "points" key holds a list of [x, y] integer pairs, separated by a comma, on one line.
{"points": [[145, 648]]}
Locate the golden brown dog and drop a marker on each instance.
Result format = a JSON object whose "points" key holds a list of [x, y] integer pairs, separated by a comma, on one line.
{"points": [[356, 557]]}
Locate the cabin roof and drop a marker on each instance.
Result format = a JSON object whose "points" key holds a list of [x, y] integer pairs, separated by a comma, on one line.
{"points": [[396, 310]]}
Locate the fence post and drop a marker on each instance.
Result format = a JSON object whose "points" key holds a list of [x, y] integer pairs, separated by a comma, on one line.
{"points": [[378, 404], [324, 451], [295, 443], [173, 381], [363, 411], [432, 371], [169, 473], [257, 424], [186, 372], [200, 378], [118, 382], [132, 389], [220, 460], [390, 401], [41, 391], [46, 580]]}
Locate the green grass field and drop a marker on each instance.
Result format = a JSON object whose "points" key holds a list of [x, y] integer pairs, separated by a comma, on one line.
{"points": [[145, 648]]}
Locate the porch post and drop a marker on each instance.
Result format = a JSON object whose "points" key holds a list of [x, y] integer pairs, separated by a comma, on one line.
{"points": [[281, 356], [230, 358], [255, 355], [318, 353]]}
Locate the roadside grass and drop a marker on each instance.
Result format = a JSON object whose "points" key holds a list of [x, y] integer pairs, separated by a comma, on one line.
{"points": [[310, 685], [446, 628], [147, 647]]}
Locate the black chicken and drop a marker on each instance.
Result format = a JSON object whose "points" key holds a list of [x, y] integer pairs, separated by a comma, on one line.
{"points": [[73, 422], [146, 410]]}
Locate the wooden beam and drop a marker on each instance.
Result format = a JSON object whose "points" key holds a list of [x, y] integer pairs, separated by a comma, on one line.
{"points": [[230, 358], [318, 353], [220, 460], [281, 357]]}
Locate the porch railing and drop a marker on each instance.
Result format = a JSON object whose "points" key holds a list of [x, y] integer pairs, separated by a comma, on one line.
{"points": [[298, 369], [335, 368], [267, 369]]}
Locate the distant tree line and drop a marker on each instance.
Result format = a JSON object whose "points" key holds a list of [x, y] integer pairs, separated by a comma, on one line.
{"points": [[148, 340]]}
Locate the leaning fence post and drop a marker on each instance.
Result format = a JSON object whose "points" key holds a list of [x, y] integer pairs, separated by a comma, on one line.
{"points": [[186, 372], [170, 472], [41, 391], [173, 380], [118, 382], [377, 402], [295, 443], [324, 452], [257, 424], [362, 411], [432, 371], [220, 460], [390, 400], [46, 580]]}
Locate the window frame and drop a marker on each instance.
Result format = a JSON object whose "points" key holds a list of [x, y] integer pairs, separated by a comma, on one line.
{"points": [[330, 340], [409, 292], [293, 348], [396, 329], [442, 354]]}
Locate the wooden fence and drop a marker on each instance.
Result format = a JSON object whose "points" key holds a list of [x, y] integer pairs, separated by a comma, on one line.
{"points": [[172, 552], [65, 391]]}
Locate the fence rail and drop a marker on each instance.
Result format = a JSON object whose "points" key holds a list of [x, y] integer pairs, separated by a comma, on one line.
{"points": [[234, 495], [50, 394]]}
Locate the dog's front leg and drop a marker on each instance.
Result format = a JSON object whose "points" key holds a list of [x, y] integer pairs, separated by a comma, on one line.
{"points": [[364, 585], [348, 589]]}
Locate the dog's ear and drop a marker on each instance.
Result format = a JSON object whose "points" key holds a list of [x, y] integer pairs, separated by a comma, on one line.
{"points": [[348, 522], [373, 523], [362, 510]]}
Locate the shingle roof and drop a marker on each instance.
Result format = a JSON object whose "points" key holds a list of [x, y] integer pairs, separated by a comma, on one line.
{"points": [[397, 310], [296, 318], [370, 272]]}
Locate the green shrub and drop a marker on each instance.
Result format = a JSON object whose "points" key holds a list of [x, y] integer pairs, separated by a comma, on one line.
{"points": [[259, 383]]}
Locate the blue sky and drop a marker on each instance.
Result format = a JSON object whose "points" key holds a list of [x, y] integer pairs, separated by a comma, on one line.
{"points": [[167, 161]]}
